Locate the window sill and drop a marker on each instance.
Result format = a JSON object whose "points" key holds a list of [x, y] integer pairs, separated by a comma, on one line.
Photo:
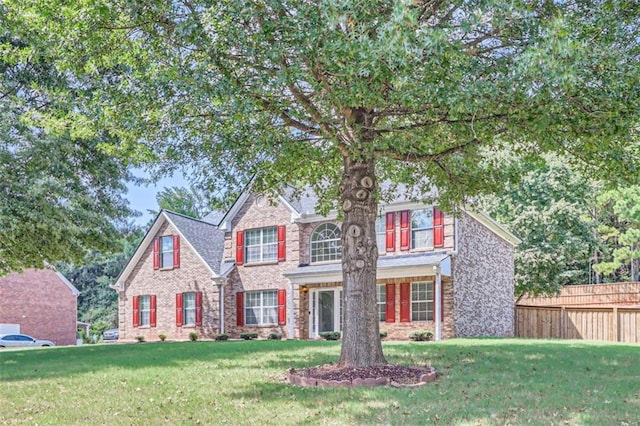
{"points": [[167, 269], [421, 250], [262, 325], [252, 264]]}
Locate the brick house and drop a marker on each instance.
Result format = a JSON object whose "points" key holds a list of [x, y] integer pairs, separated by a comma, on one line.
{"points": [[42, 302], [273, 265]]}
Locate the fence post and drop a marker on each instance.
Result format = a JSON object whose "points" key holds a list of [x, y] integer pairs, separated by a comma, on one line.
{"points": [[616, 328], [563, 323]]}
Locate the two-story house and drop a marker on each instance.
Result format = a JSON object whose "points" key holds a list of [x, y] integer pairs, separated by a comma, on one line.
{"points": [[273, 265]]}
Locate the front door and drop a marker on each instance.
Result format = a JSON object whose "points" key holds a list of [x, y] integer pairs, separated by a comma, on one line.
{"points": [[326, 311]]}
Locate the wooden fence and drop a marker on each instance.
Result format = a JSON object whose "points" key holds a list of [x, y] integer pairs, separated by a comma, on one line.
{"points": [[616, 324], [626, 294]]}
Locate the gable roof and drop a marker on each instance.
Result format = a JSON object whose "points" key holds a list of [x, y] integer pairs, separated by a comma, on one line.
{"points": [[205, 239], [302, 204]]}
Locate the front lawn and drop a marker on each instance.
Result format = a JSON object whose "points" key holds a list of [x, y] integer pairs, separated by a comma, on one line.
{"points": [[482, 382]]}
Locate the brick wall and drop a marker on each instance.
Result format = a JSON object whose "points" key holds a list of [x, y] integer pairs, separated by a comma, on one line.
{"points": [[41, 303], [192, 275], [483, 282], [268, 276], [395, 330]]}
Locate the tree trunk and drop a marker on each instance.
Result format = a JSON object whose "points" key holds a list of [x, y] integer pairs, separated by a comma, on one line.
{"points": [[361, 345]]}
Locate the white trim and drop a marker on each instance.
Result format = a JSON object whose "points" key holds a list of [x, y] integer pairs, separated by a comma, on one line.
{"points": [[295, 214], [148, 239], [494, 226], [438, 305], [74, 290], [337, 313], [382, 273], [291, 312], [225, 225]]}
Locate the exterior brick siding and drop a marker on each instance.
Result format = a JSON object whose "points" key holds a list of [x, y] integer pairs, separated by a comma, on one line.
{"points": [[192, 275], [483, 283], [41, 303], [263, 276]]}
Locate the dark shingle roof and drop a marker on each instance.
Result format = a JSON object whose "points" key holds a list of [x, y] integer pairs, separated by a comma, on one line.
{"points": [[305, 199], [205, 238]]}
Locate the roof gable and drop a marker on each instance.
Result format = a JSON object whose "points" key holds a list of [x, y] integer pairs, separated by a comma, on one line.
{"points": [[203, 238]]}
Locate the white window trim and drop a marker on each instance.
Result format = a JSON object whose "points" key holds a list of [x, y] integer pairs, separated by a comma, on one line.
{"points": [[379, 303], [261, 308], [141, 311], [163, 251], [184, 308], [412, 230], [335, 256], [262, 245], [429, 302]]}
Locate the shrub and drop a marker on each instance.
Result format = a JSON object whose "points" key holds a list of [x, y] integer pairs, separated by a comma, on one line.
{"points": [[383, 334], [140, 339], [162, 337], [193, 336], [275, 336], [222, 337], [248, 336], [330, 335], [421, 336]]}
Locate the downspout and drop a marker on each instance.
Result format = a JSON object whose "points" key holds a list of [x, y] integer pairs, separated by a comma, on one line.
{"points": [[438, 307], [291, 312]]}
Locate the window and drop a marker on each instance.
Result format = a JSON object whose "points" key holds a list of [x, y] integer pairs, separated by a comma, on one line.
{"points": [[145, 311], [189, 308], [261, 245], [422, 229], [325, 243], [422, 301], [381, 233], [166, 252], [382, 302], [261, 307]]}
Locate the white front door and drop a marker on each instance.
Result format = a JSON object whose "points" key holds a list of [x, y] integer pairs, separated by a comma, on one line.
{"points": [[325, 313]]}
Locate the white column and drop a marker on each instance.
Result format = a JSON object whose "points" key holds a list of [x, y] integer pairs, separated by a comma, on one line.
{"points": [[438, 307]]}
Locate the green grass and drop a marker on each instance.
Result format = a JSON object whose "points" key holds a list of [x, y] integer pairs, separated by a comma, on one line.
{"points": [[482, 381]]}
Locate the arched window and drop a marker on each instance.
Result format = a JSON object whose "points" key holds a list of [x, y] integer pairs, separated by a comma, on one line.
{"points": [[325, 243]]}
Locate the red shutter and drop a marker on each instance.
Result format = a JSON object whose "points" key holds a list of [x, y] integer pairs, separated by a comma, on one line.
{"points": [[156, 253], [179, 309], [438, 228], [405, 302], [198, 308], [391, 303], [282, 245], [391, 231], [136, 311], [152, 314], [404, 229], [239, 247], [240, 309], [176, 251], [282, 307]]}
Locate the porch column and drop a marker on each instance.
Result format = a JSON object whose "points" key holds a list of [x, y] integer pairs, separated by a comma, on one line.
{"points": [[438, 307], [291, 312]]}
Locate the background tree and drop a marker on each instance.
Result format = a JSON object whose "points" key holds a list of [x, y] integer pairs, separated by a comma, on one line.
{"points": [[341, 94], [551, 209], [620, 228], [97, 301], [59, 194], [190, 201]]}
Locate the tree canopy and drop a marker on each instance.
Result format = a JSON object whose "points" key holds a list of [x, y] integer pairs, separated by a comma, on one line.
{"points": [[59, 194], [341, 94]]}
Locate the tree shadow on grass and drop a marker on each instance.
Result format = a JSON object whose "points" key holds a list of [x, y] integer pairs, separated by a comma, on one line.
{"points": [[495, 382], [54, 362]]}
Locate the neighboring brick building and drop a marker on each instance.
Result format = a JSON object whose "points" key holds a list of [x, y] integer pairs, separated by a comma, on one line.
{"points": [[273, 265], [42, 302]]}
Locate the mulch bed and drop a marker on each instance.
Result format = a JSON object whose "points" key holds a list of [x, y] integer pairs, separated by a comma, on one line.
{"points": [[378, 375]]}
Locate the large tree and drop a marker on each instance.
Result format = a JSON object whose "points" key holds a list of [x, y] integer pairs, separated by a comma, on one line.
{"points": [[59, 194], [341, 94]]}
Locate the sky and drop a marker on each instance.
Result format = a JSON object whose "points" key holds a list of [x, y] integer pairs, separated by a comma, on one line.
{"points": [[143, 198]]}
